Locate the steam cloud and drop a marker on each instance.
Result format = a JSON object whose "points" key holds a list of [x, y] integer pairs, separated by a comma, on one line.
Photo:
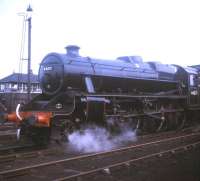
{"points": [[96, 139]]}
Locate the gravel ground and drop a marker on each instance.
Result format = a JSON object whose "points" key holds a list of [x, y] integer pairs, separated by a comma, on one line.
{"points": [[183, 166]]}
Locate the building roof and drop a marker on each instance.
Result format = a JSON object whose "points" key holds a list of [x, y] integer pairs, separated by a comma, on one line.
{"points": [[19, 78]]}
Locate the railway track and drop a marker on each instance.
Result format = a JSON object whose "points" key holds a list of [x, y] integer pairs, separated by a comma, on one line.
{"points": [[9, 149], [82, 167], [18, 153], [9, 142], [8, 138], [8, 133], [7, 126]]}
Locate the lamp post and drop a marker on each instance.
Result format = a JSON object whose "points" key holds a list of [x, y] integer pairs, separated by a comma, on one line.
{"points": [[29, 12]]}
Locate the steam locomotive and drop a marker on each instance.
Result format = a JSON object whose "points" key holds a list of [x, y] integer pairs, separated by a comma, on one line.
{"points": [[77, 91]]}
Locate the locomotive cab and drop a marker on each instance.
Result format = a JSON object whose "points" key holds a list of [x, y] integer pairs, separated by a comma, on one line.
{"points": [[193, 86], [189, 83]]}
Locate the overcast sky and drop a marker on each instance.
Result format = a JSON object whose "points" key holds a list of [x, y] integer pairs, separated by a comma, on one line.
{"points": [[158, 30]]}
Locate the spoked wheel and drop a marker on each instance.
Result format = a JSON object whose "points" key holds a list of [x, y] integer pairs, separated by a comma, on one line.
{"points": [[176, 120], [138, 128], [162, 125], [117, 125], [150, 125], [172, 121], [61, 129], [113, 126], [134, 122], [181, 120], [38, 136]]}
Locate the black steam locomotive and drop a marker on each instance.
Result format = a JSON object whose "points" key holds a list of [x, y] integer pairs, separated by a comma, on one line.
{"points": [[76, 91]]}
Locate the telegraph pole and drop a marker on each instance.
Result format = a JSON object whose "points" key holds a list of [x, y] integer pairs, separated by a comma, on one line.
{"points": [[29, 18]]}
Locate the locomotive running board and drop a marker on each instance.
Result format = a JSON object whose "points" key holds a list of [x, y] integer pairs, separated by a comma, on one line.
{"points": [[138, 96], [152, 114]]}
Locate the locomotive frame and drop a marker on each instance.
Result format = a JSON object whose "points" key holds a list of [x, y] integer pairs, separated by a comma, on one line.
{"points": [[77, 91]]}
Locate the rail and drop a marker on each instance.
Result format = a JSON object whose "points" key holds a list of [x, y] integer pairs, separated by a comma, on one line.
{"points": [[108, 168], [28, 169]]}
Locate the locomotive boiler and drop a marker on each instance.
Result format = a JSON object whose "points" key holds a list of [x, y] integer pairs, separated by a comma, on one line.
{"points": [[77, 91]]}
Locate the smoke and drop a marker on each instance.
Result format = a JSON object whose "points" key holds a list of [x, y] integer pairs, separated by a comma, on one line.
{"points": [[96, 139]]}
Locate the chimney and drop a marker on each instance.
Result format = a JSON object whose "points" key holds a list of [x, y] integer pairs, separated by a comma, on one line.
{"points": [[72, 50]]}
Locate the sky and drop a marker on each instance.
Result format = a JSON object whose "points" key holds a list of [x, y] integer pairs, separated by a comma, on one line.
{"points": [[167, 31]]}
